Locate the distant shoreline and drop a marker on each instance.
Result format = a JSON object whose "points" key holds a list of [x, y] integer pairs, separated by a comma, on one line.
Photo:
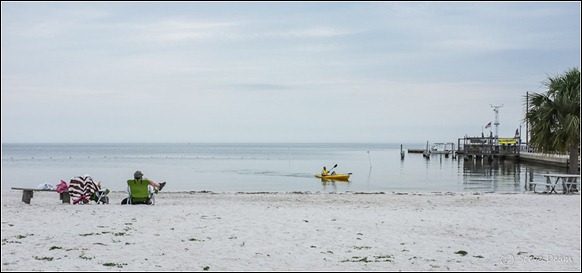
{"points": [[418, 144]]}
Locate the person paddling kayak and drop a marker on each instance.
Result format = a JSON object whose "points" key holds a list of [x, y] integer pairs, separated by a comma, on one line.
{"points": [[325, 172]]}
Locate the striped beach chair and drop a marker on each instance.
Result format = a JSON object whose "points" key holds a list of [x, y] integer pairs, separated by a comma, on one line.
{"points": [[81, 188]]}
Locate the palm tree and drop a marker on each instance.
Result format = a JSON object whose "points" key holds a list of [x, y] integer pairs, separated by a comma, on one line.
{"points": [[554, 116]]}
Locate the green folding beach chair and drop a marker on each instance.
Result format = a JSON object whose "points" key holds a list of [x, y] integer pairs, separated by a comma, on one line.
{"points": [[140, 192], [101, 197]]}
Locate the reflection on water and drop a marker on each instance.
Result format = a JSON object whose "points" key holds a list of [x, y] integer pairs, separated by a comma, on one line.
{"points": [[501, 175], [332, 185], [264, 167]]}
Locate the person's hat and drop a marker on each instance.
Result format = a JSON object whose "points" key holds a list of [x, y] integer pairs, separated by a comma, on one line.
{"points": [[137, 175]]}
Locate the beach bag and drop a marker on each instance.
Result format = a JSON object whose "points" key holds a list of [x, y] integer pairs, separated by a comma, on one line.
{"points": [[62, 187]]}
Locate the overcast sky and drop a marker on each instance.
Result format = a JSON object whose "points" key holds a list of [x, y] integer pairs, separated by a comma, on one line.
{"points": [[276, 72]]}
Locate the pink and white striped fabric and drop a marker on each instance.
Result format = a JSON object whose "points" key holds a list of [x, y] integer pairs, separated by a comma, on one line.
{"points": [[81, 188]]}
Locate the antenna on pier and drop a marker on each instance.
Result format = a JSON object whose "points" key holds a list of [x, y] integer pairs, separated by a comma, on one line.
{"points": [[496, 110]]}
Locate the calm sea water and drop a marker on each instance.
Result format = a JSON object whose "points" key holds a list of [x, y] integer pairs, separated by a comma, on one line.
{"points": [[262, 167]]}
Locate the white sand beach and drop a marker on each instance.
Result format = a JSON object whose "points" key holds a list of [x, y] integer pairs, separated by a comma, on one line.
{"points": [[294, 231]]}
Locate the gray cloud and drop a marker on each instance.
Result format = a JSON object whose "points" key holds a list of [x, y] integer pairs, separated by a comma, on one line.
{"points": [[276, 72]]}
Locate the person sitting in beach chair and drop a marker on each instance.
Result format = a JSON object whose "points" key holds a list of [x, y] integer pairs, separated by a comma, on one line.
{"points": [[142, 190], [157, 186]]}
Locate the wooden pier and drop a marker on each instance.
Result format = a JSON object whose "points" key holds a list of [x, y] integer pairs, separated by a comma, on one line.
{"points": [[488, 148]]}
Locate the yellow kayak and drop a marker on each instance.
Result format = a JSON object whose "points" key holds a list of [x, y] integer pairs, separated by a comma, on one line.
{"points": [[337, 176]]}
